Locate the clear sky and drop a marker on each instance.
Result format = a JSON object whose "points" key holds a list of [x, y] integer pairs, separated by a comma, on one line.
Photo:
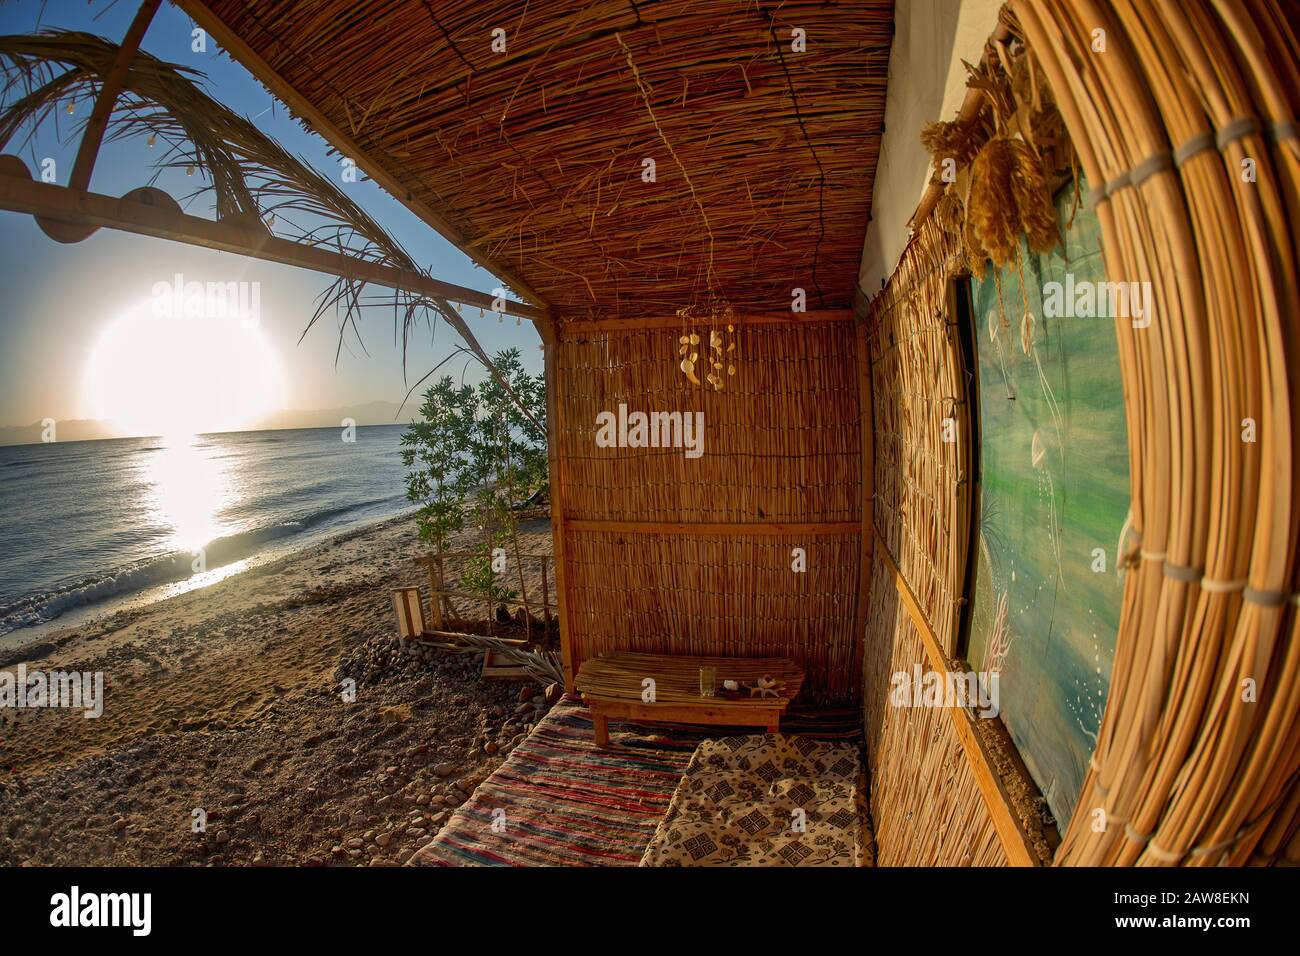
{"points": [[58, 299]]}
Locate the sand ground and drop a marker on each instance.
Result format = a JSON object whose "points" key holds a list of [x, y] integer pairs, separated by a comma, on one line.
{"points": [[226, 706]]}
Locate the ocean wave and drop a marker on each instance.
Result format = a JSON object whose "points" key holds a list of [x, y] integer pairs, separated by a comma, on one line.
{"points": [[43, 606]]}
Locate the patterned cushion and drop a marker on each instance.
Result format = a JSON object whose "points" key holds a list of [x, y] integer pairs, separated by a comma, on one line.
{"points": [[767, 800]]}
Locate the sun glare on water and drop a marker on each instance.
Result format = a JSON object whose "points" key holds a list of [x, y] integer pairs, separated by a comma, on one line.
{"points": [[177, 376]]}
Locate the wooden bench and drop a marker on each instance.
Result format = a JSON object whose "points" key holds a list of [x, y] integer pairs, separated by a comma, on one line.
{"points": [[613, 686]]}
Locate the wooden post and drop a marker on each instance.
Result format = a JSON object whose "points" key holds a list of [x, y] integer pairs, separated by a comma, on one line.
{"points": [[867, 436], [568, 640], [93, 137], [546, 597]]}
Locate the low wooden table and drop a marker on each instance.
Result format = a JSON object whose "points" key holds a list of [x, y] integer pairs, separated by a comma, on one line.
{"points": [[612, 686]]}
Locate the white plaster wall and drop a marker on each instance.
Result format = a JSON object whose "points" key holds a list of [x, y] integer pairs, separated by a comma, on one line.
{"points": [[926, 82]]}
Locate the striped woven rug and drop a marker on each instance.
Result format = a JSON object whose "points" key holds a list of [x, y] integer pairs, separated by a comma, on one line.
{"points": [[559, 800]]}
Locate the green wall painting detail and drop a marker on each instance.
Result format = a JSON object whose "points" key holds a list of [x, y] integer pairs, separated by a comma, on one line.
{"points": [[1054, 498]]}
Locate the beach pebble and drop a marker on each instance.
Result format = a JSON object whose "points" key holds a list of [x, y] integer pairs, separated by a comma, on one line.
{"points": [[445, 769]]}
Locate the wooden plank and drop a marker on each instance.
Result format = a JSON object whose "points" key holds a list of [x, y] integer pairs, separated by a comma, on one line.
{"points": [[50, 201], [867, 481], [618, 676], [639, 323], [719, 715], [1015, 843], [764, 528], [93, 136], [251, 61], [569, 652]]}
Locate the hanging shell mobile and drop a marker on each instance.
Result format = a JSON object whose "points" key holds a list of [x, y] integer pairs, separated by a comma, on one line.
{"points": [[719, 353]]}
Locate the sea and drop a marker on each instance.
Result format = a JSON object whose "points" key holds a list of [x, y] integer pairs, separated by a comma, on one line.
{"points": [[84, 525]]}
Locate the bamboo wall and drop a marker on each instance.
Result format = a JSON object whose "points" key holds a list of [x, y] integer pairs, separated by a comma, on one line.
{"points": [[927, 806], [1188, 119], [666, 554]]}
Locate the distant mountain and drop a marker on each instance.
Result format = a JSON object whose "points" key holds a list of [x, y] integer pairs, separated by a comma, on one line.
{"points": [[371, 413], [79, 429]]}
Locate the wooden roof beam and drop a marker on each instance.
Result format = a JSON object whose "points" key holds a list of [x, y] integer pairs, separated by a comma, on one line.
{"points": [[93, 136], [251, 61], [151, 212]]}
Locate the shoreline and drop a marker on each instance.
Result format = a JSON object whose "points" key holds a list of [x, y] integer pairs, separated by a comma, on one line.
{"points": [[86, 615], [227, 699]]}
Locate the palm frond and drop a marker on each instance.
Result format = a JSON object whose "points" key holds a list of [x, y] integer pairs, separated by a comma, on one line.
{"points": [[250, 176]]}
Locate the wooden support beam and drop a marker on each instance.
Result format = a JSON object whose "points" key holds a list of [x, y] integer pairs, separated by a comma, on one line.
{"points": [[108, 93], [760, 528], [1015, 843], [569, 651], [740, 320], [164, 221], [867, 483], [348, 146]]}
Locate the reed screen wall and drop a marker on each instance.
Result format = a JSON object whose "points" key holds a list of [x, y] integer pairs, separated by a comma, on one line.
{"points": [[926, 803], [669, 554], [1186, 120], [1190, 122]]}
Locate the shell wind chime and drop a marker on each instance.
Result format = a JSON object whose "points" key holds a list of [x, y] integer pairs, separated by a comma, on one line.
{"points": [[719, 353]]}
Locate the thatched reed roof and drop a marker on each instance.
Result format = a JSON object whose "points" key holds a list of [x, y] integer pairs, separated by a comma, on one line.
{"points": [[532, 159]]}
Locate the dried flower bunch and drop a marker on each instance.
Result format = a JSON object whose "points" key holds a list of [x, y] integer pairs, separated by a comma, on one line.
{"points": [[1007, 160], [719, 353]]}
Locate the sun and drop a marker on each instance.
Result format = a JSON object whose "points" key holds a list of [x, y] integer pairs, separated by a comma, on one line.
{"points": [[175, 375]]}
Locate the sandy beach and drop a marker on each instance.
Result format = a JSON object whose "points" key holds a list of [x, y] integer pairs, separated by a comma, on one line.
{"points": [[226, 705]]}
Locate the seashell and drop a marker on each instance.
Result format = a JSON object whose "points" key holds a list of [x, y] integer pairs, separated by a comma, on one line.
{"points": [[731, 370], [1037, 450], [1027, 332], [684, 340], [695, 339], [695, 357]]}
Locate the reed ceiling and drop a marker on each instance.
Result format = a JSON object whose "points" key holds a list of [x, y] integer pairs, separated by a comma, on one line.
{"points": [[533, 157]]}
